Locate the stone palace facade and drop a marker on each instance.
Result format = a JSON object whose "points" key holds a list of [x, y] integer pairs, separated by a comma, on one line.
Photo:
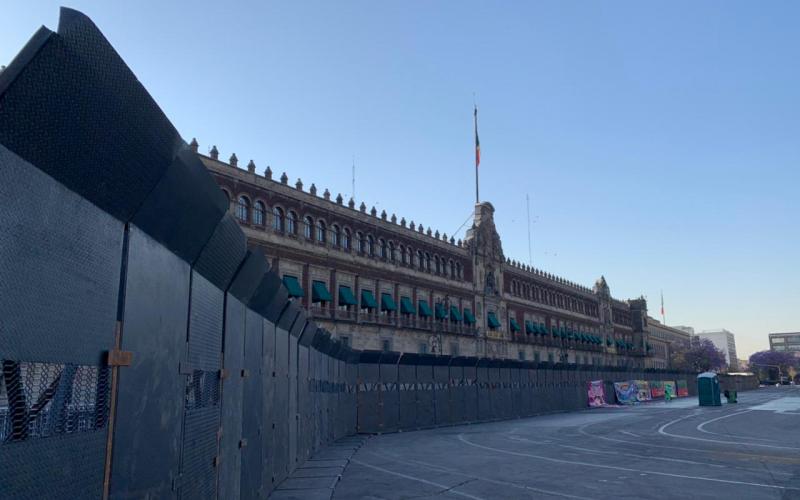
{"points": [[386, 284]]}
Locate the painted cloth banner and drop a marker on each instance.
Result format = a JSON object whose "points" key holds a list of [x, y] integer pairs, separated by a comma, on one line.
{"points": [[597, 394], [656, 389], [669, 389], [627, 392], [644, 390], [683, 389]]}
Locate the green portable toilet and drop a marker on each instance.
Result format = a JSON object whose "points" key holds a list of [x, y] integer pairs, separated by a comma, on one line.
{"points": [[708, 389]]}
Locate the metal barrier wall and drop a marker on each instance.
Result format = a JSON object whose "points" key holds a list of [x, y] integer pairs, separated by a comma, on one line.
{"points": [[145, 351]]}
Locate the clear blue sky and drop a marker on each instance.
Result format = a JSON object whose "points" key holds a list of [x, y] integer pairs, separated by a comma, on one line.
{"points": [[659, 142]]}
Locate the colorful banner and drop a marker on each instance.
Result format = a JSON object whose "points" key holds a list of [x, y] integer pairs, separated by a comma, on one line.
{"points": [[597, 394], [644, 390], [683, 389], [669, 389], [656, 389], [627, 392]]}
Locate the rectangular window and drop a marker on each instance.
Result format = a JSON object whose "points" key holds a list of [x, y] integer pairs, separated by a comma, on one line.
{"points": [[521, 355], [550, 357], [423, 348], [345, 340], [537, 357], [386, 345]]}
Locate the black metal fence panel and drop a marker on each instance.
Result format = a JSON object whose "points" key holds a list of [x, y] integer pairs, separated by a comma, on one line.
{"points": [[441, 380], [389, 396], [54, 392], [147, 436], [201, 417], [426, 412], [255, 467], [369, 392], [231, 442]]}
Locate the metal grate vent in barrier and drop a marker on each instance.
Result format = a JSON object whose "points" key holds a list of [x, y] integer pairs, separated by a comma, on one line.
{"points": [[202, 389], [40, 400]]}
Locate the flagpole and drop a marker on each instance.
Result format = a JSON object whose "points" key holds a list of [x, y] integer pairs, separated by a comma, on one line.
{"points": [[477, 155]]}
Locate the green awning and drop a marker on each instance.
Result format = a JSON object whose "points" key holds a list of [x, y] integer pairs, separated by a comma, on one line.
{"points": [[424, 309], [514, 325], [291, 284], [554, 331], [455, 314], [469, 318], [406, 307], [542, 328], [608, 341], [320, 293], [346, 297], [387, 302], [529, 328], [368, 300], [440, 312], [493, 323]]}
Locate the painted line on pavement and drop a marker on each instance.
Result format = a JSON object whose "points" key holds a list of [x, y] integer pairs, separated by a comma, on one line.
{"points": [[663, 432], [626, 469], [444, 487], [479, 478]]}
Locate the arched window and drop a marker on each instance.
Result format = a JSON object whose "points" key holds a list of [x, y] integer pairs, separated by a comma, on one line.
{"points": [[361, 242], [291, 222], [391, 252], [277, 219], [458, 270], [420, 260], [243, 209], [258, 213], [321, 230], [403, 256], [308, 227], [336, 235], [382, 245], [227, 196], [452, 269], [346, 239], [370, 245], [427, 262], [436, 263]]}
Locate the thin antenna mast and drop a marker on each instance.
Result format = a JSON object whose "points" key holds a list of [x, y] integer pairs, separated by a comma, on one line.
{"points": [[354, 177]]}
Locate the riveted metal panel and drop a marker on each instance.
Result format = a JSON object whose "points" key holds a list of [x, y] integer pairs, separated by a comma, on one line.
{"points": [[458, 389], [390, 411], [407, 396], [517, 404], [369, 398], [303, 404], [280, 407], [231, 444], [57, 454], [426, 410], [441, 380], [253, 416], [472, 394], [293, 418], [147, 437], [78, 289], [201, 417], [351, 415]]}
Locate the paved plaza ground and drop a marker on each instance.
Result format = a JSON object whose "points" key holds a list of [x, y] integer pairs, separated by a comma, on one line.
{"points": [[749, 450]]}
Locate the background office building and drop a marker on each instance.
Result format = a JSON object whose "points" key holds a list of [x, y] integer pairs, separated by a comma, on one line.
{"points": [[724, 341], [785, 342]]}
